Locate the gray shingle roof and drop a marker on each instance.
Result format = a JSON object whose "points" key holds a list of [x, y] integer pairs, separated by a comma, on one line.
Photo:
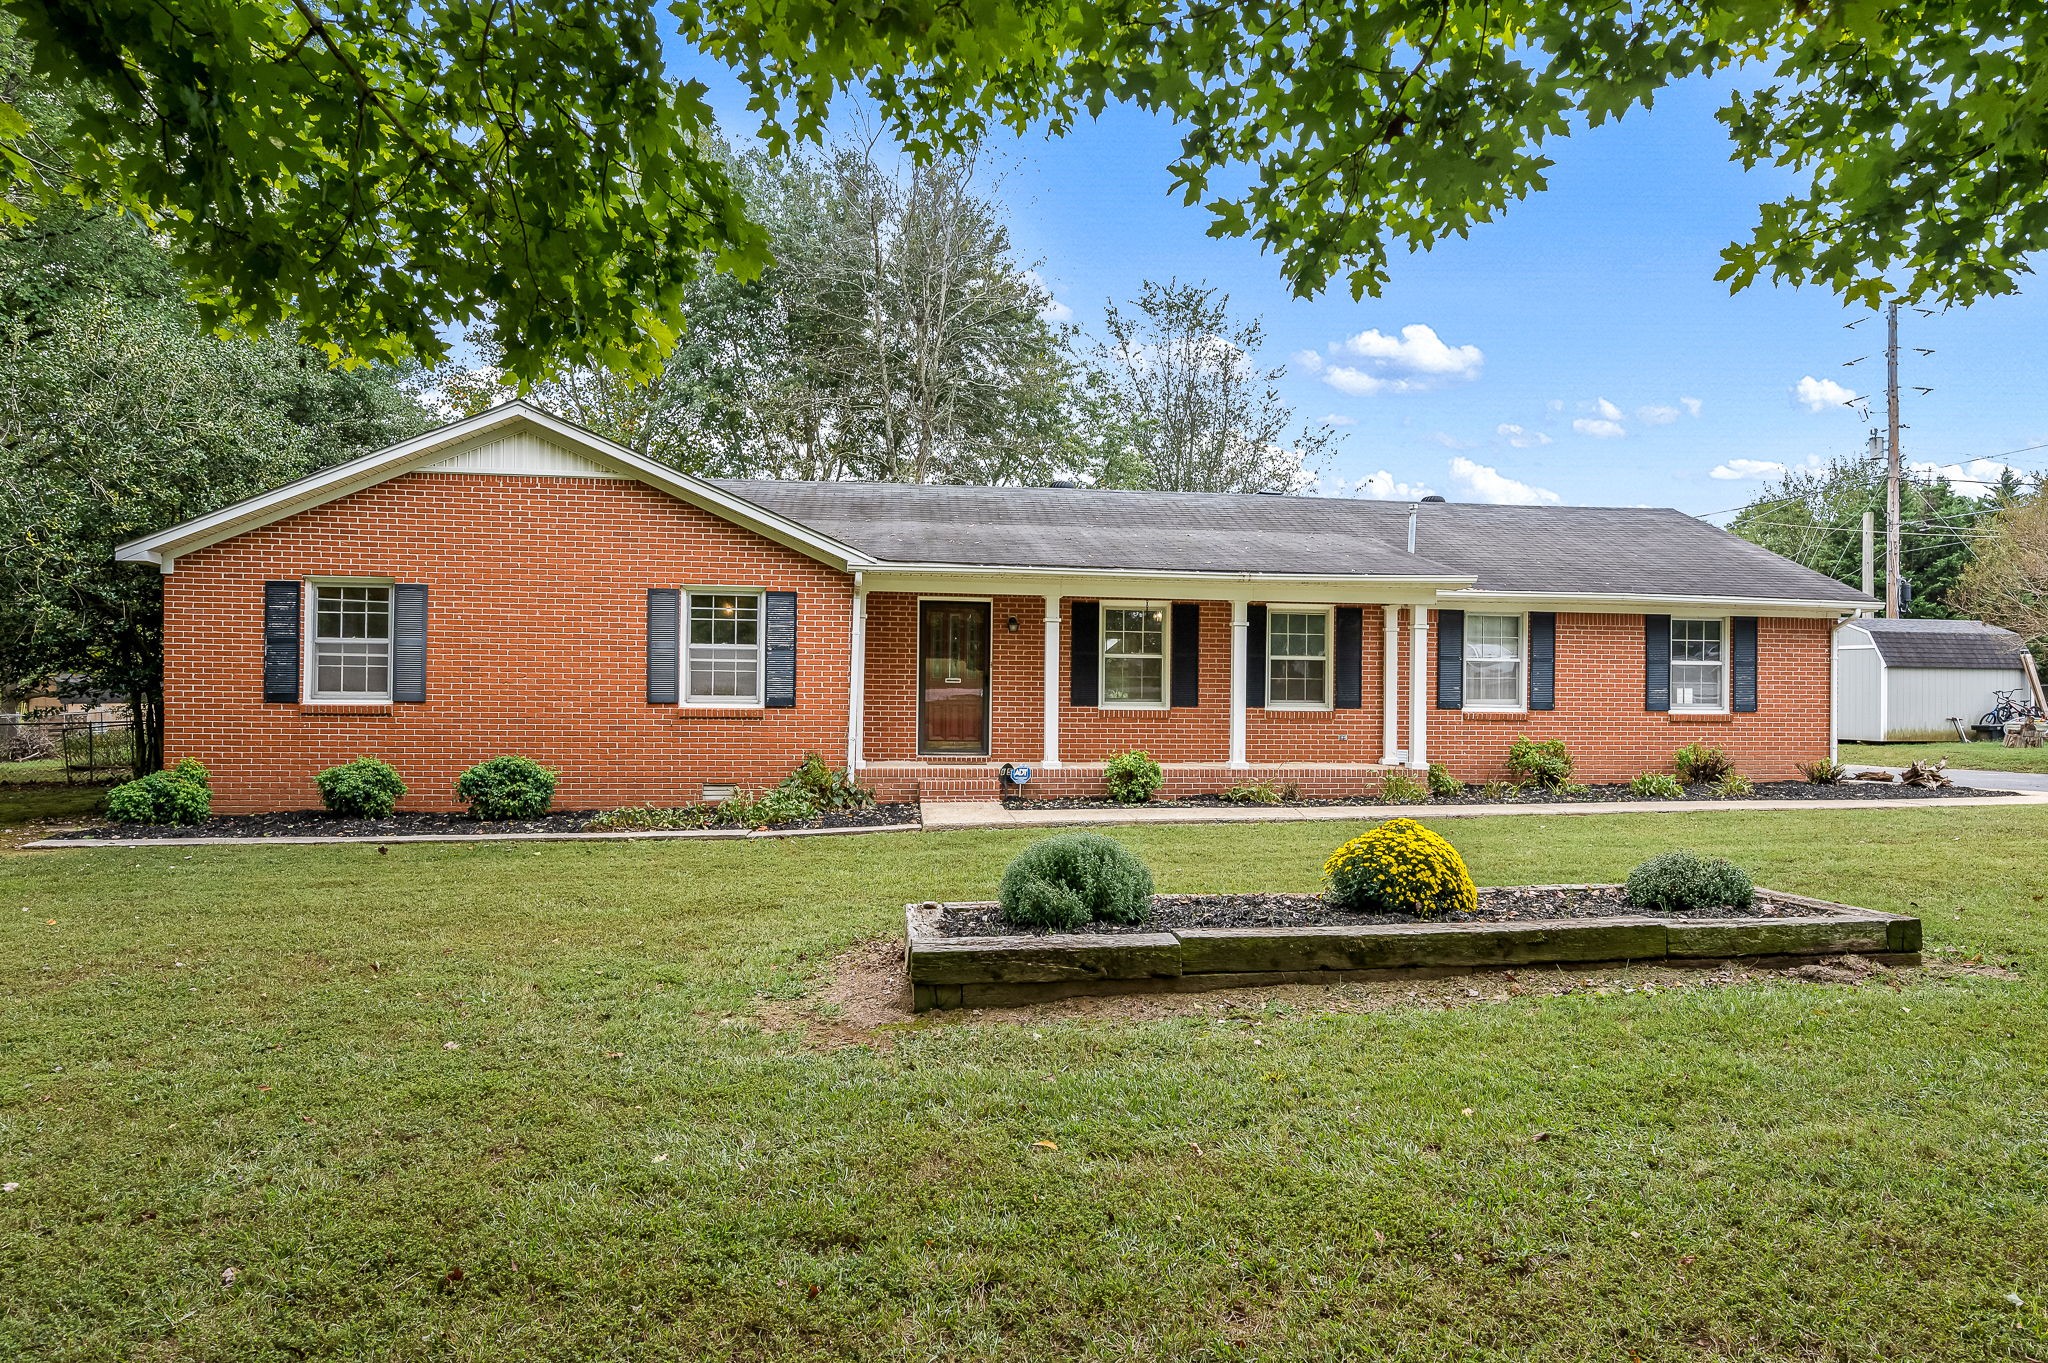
{"points": [[1561, 550], [1943, 643]]}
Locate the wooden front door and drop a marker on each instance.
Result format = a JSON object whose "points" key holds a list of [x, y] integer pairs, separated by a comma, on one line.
{"points": [[952, 678]]}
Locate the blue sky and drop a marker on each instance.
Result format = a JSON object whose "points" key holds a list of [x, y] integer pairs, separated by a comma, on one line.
{"points": [[1576, 350]]}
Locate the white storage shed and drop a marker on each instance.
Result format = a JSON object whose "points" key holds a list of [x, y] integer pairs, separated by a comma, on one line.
{"points": [[1909, 679]]}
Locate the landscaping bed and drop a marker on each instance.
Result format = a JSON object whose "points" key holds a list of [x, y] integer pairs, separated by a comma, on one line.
{"points": [[1614, 794], [965, 955], [314, 823]]}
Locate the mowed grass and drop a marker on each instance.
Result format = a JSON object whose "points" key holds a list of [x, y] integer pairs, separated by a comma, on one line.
{"points": [[515, 1102], [1991, 756]]}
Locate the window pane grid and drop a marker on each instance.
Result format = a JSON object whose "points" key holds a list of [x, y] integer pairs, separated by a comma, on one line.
{"points": [[1297, 658], [1698, 665], [1493, 661], [1133, 655], [723, 662], [351, 642]]}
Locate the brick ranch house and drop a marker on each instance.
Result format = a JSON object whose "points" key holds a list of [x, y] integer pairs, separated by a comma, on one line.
{"points": [[511, 583]]}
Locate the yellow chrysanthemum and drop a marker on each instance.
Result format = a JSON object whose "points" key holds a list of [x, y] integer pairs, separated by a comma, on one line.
{"points": [[1400, 867]]}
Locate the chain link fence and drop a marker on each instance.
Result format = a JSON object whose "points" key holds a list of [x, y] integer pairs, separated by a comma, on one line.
{"points": [[77, 748]]}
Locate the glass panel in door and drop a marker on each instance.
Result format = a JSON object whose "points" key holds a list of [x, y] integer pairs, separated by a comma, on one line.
{"points": [[952, 705]]}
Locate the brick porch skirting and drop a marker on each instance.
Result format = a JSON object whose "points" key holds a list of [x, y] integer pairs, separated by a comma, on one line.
{"points": [[931, 782]]}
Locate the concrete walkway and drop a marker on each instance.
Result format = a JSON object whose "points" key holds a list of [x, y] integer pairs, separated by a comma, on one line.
{"points": [[993, 814]]}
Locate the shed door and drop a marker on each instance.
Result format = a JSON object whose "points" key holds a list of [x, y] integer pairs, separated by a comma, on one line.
{"points": [[952, 665]]}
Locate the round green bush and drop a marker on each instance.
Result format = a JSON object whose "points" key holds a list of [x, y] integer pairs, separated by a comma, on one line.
{"points": [[507, 788], [193, 770], [366, 788], [1687, 880], [1073, 879], [1399, 867], [160, 797], [1132, 777]]}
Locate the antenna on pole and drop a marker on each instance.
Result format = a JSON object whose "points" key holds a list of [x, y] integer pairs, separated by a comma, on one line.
{"points": [[1891, 462]]}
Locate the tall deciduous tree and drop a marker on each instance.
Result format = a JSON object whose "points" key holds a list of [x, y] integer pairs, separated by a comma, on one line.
{"points": [[1190, 406], [2007, 582], [379, 169]]}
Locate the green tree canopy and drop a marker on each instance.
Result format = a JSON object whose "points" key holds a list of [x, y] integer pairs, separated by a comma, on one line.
{"points": [[380, 169]]}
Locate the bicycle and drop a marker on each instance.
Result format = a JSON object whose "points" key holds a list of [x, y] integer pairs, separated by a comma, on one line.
{"points": [[2007, 706]]}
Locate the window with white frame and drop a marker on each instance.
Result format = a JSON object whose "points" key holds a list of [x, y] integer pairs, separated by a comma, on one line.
{"points": [[1493, 662], [722, 656], [1699, 665], [1297, 659], [351, 642], [1133, 654]]}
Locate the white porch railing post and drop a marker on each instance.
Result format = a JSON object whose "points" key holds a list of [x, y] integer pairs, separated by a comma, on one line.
{"points": [[1052, 679], [1390, 669], [1240, 635], [857, 679], [1418, 689]]}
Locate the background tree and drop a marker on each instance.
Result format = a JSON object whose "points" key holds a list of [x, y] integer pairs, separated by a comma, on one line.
{"points": [[381, 169], [1192, 410], [2006, 582], [1815, 517]]}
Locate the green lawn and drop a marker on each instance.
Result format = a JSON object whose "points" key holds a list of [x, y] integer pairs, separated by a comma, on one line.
{"points": [[1982, 756], [517, 1102]]}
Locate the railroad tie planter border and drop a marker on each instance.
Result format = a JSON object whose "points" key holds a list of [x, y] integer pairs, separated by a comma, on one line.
{"points": [[998, 972]]}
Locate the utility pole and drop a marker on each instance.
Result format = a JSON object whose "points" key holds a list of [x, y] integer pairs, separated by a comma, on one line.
{"points": [[1891, 459], [1869, 556]]}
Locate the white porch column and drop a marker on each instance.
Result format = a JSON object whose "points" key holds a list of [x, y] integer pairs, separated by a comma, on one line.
{"points": [[1390, 669], [1418, 689], [857, 679], [1052, 679], [1240, 636]]}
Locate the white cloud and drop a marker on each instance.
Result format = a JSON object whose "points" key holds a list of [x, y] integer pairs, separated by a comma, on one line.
{"points": [[1053, 310], [1520, 438], [1607, 410], [1491, 485], [1308, 360], [1381, 486], [1972, 479], [1418, 350], [1339, 419], [1600, 429], [1359, 384], [1557, 404], [1451, 442], [1817, 395], [1655, 415], [1691, 405], [1747, 469]]}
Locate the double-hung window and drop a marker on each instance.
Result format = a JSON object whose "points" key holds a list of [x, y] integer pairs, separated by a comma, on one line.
{"points": [[1133, 654], [722, 658], [1699, 665], [1297, 659], [1493, 662], [351, 642]]}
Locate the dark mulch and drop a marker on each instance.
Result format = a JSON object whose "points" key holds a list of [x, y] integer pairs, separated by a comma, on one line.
{"points": [[1765, 790], [318, 823], [1503, 904]]}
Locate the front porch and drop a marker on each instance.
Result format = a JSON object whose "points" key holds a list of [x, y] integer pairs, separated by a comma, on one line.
{"points": [[939, 782]]}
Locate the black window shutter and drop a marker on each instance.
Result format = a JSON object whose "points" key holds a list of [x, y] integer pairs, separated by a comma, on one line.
{"points": [[1450, 660], [664, 645], [281, 601], [1348, 656], [1084, 670], [1542, 660], [778, 632], [1255, 658], [409, 643], [1742, 689], [1656, 662], [1187, 654]]}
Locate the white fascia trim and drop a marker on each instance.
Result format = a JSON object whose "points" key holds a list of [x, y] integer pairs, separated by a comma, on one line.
{"points": [[1679, 604], [1011, 580], [164, 547]]}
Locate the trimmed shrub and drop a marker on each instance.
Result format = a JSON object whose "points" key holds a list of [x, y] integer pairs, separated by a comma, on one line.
{"points": [[366, 788], [1701, 764], [784, 804], [1687, 880], [1075, 878], [826, 786], [1399, 788], [1657, 785], [1442, 783], [1132, 777], [193, 770], [1544, 763], [1825, 772], [1399, 867], [507, 787], [160, 797], [1733, 786]]}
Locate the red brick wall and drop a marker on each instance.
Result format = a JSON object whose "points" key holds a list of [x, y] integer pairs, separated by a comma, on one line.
{"points": [[1599, 710], [536, 644]]}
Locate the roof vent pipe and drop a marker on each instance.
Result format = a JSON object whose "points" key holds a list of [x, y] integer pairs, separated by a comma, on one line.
{"points": [[1414, 512]]}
